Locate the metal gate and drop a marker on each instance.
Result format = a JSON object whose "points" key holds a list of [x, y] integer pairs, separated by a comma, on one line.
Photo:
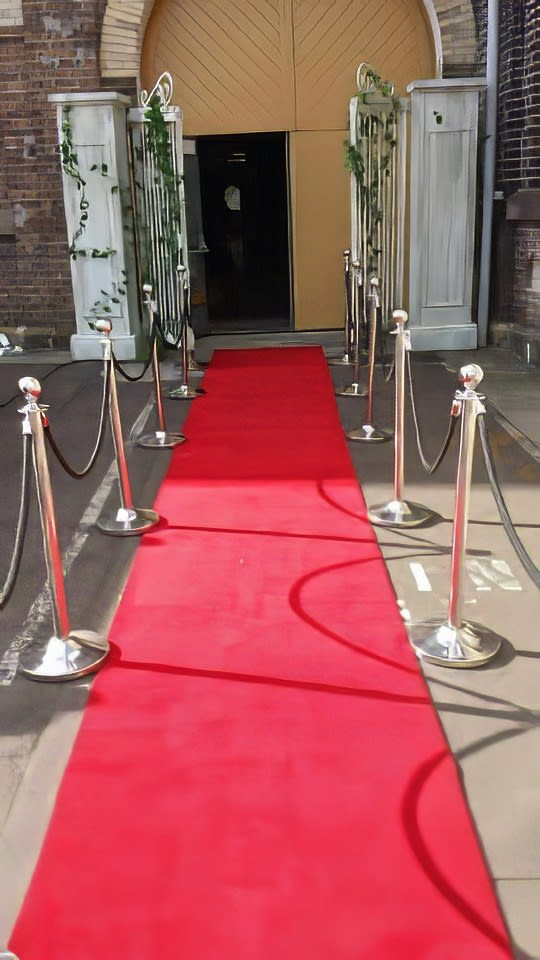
{"points": [[159, 212], [376, 157]]}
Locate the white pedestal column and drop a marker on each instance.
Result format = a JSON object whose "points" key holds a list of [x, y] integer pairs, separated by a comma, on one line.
{"points": [[92, 128], [444, 137]]}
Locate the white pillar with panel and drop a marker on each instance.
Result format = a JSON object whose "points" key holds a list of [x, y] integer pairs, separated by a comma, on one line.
{"points": [[444, 144]]}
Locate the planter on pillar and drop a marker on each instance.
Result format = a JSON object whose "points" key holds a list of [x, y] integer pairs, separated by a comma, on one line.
{"points": [[97, 201], [444, 138]]}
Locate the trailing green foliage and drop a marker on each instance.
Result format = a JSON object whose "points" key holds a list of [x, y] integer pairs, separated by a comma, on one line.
{"points": [[157, 133], [70, 166], [370, 165]]}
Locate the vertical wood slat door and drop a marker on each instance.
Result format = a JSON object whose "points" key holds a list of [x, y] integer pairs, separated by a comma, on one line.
{"points": [[249, 66], [330, 40], [231, 63]]}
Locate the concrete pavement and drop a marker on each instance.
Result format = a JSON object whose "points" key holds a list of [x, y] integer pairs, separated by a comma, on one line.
{"points": [[490, 714]]}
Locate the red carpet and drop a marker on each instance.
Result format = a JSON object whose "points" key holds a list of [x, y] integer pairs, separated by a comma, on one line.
{"points": [[260, 774]]}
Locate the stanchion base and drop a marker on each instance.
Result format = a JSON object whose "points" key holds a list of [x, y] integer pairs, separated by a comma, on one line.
{"points": [[128, 522], [399, 513], [344, 361], [81, 653], [469, 645], [370, 434], [160, 438], [185, 392], [194, 367], [354, 390]]}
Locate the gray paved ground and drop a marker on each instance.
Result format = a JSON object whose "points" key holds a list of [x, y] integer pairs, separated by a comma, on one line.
{"points": [[490, 714]]}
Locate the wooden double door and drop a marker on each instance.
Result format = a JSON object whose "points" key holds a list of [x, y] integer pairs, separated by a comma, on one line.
{"points": [[289, 67]]}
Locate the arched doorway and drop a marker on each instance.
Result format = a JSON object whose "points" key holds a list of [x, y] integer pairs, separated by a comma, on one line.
{"points": [[288, 67]]}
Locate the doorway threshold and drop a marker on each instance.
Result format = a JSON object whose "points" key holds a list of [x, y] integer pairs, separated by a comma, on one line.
{"points": [[330, 340]]}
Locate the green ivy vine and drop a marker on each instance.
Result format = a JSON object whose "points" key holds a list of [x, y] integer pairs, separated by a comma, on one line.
{"points": [[103, 306], [368, 180], [70, 166], [157, 134]]}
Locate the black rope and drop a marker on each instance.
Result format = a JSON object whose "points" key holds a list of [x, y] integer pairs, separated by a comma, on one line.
{"points": [[524, 441], [22, 519], [169, 344], [139, 376], [59, 366], [430, 468], [79, 474], [517, 544], [387, 368]]}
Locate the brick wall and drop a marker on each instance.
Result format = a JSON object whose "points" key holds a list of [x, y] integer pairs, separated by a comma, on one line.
{"points": [[526, 297], [51, 46], [44, 48]]}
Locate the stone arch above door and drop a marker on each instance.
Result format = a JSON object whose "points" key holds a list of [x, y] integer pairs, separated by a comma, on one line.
{"points": [[125, 22]]}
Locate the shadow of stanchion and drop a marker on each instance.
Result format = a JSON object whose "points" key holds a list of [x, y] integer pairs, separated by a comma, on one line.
{"points": [[420, 847]]}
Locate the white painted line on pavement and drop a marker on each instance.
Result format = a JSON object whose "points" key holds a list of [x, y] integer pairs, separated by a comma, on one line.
{"points": [[423, 584], [489, 573]]}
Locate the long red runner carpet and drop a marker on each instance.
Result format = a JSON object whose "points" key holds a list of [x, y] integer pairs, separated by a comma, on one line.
{"points": [[260, 774]]}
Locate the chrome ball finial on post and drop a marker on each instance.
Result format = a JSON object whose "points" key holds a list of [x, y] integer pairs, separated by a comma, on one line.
{"points": [[30, 387], [400, 317], [471, 376], [103, 326]]}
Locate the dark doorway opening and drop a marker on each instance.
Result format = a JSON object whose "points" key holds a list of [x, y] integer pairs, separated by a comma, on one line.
{"points": [[245, 218]]}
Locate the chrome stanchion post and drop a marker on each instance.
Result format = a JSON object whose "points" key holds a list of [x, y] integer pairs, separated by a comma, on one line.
{"points": [[457, 642], [128, 520], [399, 512], [368, 433], [160, 437], [349, 327], [355, 389], [184, 391], [68, 654]]}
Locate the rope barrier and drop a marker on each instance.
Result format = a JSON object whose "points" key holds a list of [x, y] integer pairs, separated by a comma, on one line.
{"points": [[68, 653], [387, 368], [456, 642], [185, 391], [523, 555], [355, 389], [59, 366], [524, 441], [79, 474], [147, 363], [429, 468], [399, 512], [127, 520], [36, 436], [168, 344], [22, 518]]}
